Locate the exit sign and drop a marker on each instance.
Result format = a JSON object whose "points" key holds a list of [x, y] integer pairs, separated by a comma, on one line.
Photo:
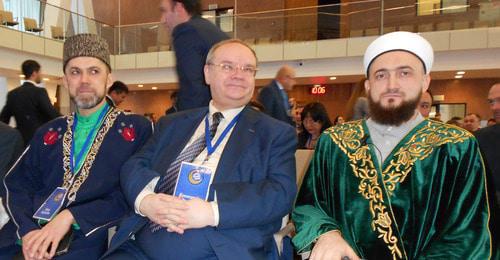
{"points": [[318, 90]]}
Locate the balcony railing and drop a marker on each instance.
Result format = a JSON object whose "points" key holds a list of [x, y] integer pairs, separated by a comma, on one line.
{"points": [[351, 19]]}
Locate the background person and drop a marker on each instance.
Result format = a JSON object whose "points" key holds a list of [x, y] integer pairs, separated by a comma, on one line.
{"points": [[315, 120], [29, 104]]}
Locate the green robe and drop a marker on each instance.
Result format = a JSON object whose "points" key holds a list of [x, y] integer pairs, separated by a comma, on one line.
{"points": [[427, 200]]}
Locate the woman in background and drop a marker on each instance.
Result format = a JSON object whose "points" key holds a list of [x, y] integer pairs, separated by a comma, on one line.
{"points": [[314, 120]]}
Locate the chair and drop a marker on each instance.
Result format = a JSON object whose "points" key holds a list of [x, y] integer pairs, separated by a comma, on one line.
{"points": [[459, 25], [264, 40], [249, 41], [372, 31], [443, 26], [7, 19], [356, 33], [152, 49], [57, 32], [426, 27], [164, 47], [481, 24], [407, 28], [389, 29], [31, 26]]}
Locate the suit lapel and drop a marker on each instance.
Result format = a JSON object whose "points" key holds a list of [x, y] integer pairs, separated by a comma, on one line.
{"points": [[240, 139], [174, 146]]}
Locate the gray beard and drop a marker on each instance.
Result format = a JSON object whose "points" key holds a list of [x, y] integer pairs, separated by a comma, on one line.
{"points": [[87, 103]]}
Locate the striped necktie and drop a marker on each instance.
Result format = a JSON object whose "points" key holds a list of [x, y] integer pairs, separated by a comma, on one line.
{"points": [[166, 184]]}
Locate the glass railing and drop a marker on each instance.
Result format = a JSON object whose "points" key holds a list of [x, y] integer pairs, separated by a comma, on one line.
{"points": [[49, 21], [350, 19]]}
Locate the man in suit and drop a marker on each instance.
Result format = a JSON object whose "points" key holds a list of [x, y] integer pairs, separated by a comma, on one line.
{"points": [[489, 137], [254, 174], [472, 122], [192, 38], [173, 100], [274, 96], [117, 93], [29, 104], [489, 141]]}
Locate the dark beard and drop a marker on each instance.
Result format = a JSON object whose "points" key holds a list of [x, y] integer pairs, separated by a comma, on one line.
{"points": [[394, 116]]}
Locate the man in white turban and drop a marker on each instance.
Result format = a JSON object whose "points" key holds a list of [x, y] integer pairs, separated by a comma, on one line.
{"points": [[395, 185]]}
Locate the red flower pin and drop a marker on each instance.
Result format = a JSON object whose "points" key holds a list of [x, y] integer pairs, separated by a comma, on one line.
{"points": [[50, 137], [128, 134]]}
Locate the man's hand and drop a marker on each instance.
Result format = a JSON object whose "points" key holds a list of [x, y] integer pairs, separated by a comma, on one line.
{"points": [[331, 246], [165, 210], [27, 241], [37, 242], [199, 214]]}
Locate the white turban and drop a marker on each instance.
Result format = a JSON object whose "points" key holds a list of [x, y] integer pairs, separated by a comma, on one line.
{"points": [[400, 41]]}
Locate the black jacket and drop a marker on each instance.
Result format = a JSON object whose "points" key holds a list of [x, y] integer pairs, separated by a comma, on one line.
{"points": [[30, 106]]}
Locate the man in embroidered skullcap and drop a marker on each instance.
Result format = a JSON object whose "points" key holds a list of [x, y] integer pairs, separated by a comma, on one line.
{"points": [[396, 185], [64, 193]]}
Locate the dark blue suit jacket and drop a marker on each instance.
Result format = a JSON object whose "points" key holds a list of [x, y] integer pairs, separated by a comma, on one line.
{"points": [[99, 202], [271, 99], [191, 41], [254, 181]]}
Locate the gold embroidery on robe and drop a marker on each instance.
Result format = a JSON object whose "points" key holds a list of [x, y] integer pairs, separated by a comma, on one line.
{"points": [[74, 185], [348, 138]]}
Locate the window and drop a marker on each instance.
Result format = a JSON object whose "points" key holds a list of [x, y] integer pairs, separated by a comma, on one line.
{"points": [[24, 8], [222, 18], [432, 7]]}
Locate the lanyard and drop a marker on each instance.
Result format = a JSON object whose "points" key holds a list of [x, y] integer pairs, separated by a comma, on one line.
{"points": [[74, 163], [208, 138]]}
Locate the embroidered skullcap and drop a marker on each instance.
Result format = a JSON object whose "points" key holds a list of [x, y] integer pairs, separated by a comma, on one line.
{"points": [[86, 45], [400, 41]]}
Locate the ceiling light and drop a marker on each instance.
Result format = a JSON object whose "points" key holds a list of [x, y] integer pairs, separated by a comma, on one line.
{"points": [[459, 76], [46, 79], [460, 72], [140, 85], [21, 76], [333, 78], [154, 88]]}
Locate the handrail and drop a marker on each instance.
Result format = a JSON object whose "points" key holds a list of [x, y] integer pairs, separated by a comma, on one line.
{"points": [[75, 13], [147, 37]]}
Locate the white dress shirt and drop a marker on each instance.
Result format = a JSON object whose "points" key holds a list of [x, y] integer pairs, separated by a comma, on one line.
{"points": [[201, 159]]}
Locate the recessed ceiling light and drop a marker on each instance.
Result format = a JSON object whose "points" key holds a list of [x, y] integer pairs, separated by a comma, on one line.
{"points": [[140, 85], [21, 76], [46, 79], [154, 88], [333, 78], [459, 76], [460, 72]]}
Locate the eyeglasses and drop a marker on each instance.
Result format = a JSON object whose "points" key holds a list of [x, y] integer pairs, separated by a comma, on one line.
{"points": [[231, 68], [494, 101]]}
